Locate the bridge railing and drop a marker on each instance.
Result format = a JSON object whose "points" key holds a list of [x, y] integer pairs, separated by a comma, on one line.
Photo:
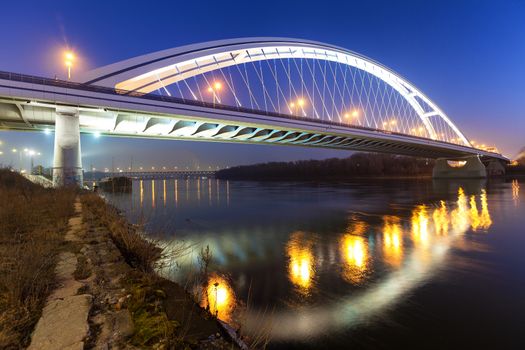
{"points": [[106, 90]]}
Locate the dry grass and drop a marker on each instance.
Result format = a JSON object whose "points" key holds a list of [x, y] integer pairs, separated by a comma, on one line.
{"points": [[138, 252], [33, 221]]}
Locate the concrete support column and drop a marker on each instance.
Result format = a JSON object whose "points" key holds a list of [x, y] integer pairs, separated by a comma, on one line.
{"points": [[67, 162], [473, 168]]}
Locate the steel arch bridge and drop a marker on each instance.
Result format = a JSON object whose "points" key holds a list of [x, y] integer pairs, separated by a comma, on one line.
{"points": [[255, 90]]}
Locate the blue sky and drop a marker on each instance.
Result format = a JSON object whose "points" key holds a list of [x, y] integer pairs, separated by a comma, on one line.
{"points": [[468, 56]]}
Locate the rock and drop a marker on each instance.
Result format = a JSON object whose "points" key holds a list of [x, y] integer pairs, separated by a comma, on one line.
{"points": [[63, 324], [124, 323]]}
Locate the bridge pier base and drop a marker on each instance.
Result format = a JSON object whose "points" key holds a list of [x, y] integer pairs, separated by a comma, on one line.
{"points": [[67, 162], [472, 169]]}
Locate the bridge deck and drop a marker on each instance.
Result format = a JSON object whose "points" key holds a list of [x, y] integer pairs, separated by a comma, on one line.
{"points": [[28, 103]]}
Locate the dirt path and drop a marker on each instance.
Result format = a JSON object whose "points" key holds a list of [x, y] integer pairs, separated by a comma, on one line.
{"points": [[83, 311], [64, 320]]}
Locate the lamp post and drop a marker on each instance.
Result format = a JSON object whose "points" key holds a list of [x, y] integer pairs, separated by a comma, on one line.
{"points": [[214, 90]]}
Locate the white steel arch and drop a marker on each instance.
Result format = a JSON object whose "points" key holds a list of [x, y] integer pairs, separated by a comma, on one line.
{"points": [[147, 73]]}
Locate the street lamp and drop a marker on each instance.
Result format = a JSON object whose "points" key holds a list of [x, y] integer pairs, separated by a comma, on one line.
{"points": [[214, 89], [69, 58]]}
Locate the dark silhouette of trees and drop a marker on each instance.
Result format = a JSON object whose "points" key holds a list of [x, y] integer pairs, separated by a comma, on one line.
{"points": [[357, 165]]}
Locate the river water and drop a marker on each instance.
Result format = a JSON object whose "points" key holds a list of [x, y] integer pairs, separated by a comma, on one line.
{"points": [[376, 264]]}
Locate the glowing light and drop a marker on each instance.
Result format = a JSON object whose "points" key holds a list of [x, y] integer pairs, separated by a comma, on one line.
{"points": [[300, 266], [219, 297], [392, 240], [419, 221], [355, 113], [47, 131], [96, 134], [441, 219], [141, 192], [515, 191], [354, 251], [300, 102], [153, 193], [217, 85]]}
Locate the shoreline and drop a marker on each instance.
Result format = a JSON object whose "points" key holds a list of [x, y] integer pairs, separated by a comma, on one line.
{"points": [[100, 287]]}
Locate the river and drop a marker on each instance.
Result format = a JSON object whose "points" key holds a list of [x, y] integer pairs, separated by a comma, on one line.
{"points": [[365, 264]]}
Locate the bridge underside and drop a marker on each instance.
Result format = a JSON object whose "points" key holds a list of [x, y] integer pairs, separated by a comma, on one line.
{"points": [[38, 116]]}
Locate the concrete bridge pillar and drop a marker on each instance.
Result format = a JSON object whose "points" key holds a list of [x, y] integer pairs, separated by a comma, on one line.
{"points": [[473, 168], [67, 162]]}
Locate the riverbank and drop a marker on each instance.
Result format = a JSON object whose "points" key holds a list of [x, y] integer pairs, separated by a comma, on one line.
{"points": [[33, 223], [80, 276]]}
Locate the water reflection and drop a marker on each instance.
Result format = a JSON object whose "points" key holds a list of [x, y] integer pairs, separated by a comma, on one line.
{"points": [[392, 240], [479, 220], [441, 219], [432, 236], [420, 229], [176, 189], [354, 252], [515, 191], [164, 191], [141, 193], [301, 262], [308, 258], [220, 297]]}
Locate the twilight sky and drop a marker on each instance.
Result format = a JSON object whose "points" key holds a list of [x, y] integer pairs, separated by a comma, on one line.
{"points": [[468, 56]]}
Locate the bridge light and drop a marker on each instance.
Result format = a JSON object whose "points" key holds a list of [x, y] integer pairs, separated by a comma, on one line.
{"points": [[292, 105], [347, 115], [1, 153], [14, 150], [217, 85], [355, 113], [300, 102], [393, 122]]}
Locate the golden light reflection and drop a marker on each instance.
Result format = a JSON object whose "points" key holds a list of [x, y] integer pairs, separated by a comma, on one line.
{"points": [[392, 240], [459, 217], [209, 192], [164, 191], [176, 192], [515, 191], [199, 190], [354, 250], [220, 297], [419, 223], [153, 193], [441, 219], [301, 262], [486, 220], [141, 192]]}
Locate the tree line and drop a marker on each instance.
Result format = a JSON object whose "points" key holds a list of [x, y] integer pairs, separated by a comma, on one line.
{"points": [[357, 165]]}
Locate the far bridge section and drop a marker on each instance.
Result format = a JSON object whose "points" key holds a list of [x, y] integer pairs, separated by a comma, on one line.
{"points": [[154, 175]]}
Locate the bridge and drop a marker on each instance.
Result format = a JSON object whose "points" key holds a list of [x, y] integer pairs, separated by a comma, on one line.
{"points": [[270, 91], [160, 174]]}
